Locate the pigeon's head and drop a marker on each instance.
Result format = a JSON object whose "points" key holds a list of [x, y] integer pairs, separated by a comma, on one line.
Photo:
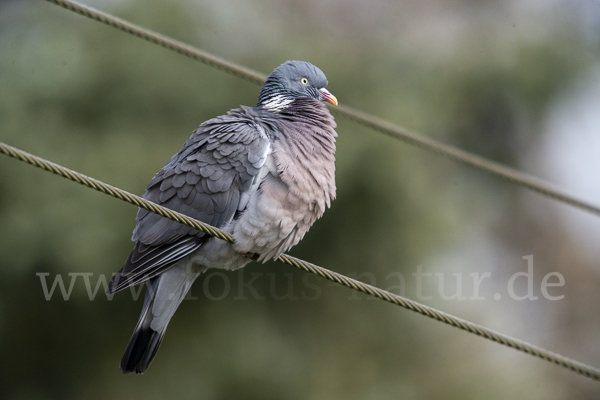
{"points": [[294, 79]]}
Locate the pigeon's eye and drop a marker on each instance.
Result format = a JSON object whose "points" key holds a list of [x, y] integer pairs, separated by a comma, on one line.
{"points": [[304, 81]]}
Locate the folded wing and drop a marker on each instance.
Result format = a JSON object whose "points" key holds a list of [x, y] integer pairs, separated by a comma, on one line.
{"points": [[210, 179]]}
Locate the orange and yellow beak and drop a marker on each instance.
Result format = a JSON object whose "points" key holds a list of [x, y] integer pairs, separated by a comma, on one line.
{"points": [[328, 96]]}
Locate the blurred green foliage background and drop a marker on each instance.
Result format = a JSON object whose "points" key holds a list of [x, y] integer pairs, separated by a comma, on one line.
{"points": [[484, 76]]}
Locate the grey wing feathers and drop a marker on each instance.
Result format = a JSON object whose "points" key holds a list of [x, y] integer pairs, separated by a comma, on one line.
{"points": [[209, 180]]}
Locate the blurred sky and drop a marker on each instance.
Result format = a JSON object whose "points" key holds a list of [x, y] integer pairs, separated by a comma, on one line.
{"points": [[569, 155]]}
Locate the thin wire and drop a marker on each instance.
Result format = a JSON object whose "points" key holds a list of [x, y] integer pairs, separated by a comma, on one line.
{"points": [[164, 41], [395, 131], [454, 153], [565, 362]]}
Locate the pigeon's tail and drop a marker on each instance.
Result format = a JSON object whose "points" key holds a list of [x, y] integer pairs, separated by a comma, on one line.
{"points": [[145, 341], [164, 293]]}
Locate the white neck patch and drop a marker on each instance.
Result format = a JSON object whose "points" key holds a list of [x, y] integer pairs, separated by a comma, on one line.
{"points": [[277, 103]]}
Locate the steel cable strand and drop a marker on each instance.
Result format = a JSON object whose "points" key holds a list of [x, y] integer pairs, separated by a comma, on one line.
{"points": [[112, 191], [422, 309], [454, 153], [395, 131], [478, 330], [164, 41], [365, 119]]}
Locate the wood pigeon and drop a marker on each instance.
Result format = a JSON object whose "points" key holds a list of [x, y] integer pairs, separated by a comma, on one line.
{"points": [[264, 174]]}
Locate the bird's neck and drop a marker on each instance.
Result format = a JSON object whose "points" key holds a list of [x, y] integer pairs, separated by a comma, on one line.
{"points": [[276, 103], [274, 99], [294, 108], [307, 110]]}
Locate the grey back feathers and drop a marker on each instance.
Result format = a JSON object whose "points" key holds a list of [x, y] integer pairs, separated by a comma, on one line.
{"points": [[263, 173]]}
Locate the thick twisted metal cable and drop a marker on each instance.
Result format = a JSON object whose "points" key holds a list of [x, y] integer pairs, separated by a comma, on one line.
{"points": [[565, 362], [395, 131]]}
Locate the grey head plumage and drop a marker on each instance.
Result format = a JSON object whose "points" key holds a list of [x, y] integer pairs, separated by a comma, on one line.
{"points": [[265, 174], [291, 80]]}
